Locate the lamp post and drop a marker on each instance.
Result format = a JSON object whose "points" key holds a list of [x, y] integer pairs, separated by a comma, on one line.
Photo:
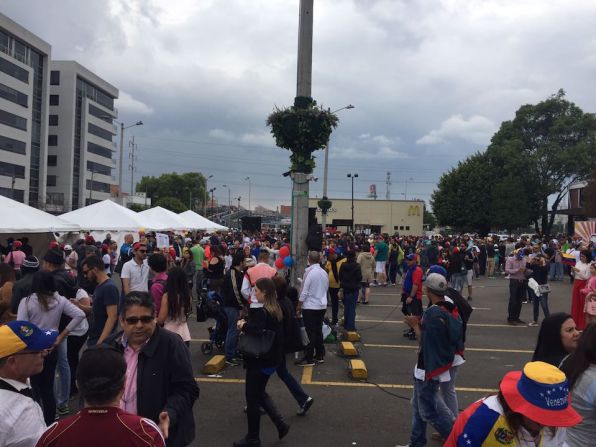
{"points": [[229, 202], [212, 190], [238, 213], [352, 176], [325, 172], [206, 196], [249, 185]]}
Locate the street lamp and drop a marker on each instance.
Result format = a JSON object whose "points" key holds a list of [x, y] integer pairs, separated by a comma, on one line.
{"points": [[326, 170], [352, 176], [248, 179], [229, 202], [212, 190], [206, 196], [238, 212]]}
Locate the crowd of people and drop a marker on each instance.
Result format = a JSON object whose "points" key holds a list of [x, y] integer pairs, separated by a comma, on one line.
{"points": [[109, 324]]}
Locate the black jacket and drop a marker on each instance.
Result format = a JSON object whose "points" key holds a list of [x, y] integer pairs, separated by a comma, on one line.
{"points": [[350, 276], [229, 298], [165, 381], [259, 319]]}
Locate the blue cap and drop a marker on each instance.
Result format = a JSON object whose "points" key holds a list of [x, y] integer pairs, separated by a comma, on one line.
{"points": [[16, 336], [437, 269]]}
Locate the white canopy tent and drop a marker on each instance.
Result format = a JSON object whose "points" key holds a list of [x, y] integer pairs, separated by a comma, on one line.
{"points": [[18, 220], [105, 216], [197, 222], [161, 219]]}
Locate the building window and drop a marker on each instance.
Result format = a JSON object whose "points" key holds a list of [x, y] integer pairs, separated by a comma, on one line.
{"points": [[14, 194], [14, 70], [52, 160], [98, 113], [407, 228], [13, 95], [51, 180], [99, 132], [99, 150], [395, 228], [401, 227], [54, 77], [53, 121], [15, 146], [54, 100], [18, 122], [52, 140], [9, 169], [99, 168], [98, 186]]}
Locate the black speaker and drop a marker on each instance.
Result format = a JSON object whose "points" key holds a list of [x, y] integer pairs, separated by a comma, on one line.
{"points": [[314, 239], [312, 217], [250, 223]]}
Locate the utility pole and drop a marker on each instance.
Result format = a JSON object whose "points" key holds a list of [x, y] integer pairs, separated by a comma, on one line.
{"points": [[388, 186], [133, 158], [299, 179], [238, 213], [352, 176], [206, 196]]}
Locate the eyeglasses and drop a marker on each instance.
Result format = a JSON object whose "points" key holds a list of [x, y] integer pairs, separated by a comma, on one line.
{"points": [[134, 320]]}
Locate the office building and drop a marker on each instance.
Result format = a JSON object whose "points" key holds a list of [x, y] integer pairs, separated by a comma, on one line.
{"points": [[80, 137], [24, 83]]}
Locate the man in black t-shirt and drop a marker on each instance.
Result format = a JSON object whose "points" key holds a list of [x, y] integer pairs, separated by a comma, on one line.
{"points": [[105, 300]]}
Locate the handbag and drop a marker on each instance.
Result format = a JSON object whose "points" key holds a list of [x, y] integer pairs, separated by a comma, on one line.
{"points": [[256, 346], [544, 288]]}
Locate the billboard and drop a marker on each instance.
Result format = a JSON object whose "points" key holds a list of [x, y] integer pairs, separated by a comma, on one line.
{"points": [[586, 230]]}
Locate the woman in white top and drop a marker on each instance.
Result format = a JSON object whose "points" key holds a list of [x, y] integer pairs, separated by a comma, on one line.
{"points": [[44, 308], [176, 305], [580, 369], [581, 274]]}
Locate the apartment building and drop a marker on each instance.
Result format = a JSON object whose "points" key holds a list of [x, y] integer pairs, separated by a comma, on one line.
{"points": [[24, 84], [80, 137]]}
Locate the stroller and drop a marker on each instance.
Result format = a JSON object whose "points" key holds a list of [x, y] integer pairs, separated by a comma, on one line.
{"points": [[210, 303]]}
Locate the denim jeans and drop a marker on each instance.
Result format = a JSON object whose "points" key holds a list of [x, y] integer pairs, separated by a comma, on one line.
{"points": [[62, 383], [539, 301], [350, 297], [43, 386], [457, 281], [291, 382], [448, 392], [232, 315], [334, 304], [555, 271], [516, 291], [256, 398], [426, 408]]}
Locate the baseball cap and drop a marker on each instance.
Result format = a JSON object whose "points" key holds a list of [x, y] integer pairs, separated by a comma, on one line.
{"points": [[17, 244], [17, 336], [68, 247], [436, 283], [438, 269], [412, 257], [54, 256], [137, 246]]}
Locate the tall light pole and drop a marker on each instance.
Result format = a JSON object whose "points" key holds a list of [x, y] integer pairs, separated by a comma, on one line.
{"points": [[352, 176], [238, 213], [249, 185], [212, 190], [325, 173], [206, 196], [229, 202]]}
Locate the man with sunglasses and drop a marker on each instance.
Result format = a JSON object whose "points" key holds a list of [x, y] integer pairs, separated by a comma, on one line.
{"points": [[105, 300], [23, 347], [159, 384], [135, 273]]}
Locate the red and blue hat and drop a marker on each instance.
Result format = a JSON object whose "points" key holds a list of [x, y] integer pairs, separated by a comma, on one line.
{"points": [[541, 393], [17, 336]]}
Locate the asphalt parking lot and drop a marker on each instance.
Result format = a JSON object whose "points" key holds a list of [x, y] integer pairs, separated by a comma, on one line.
{"points": [[374, 413]]}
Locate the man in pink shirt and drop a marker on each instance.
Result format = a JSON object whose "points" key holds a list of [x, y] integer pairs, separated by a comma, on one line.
{"points": [[16, 257], [261, 270]]}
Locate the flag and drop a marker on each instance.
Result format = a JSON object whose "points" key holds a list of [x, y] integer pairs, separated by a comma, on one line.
{"points": [[568, 259]]}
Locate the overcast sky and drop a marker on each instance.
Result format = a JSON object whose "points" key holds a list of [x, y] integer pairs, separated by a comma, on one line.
{"points": [[431, 80]]}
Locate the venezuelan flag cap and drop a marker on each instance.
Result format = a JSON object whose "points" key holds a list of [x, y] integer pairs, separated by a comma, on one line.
{"points": [[17, 336], [541, 393]]}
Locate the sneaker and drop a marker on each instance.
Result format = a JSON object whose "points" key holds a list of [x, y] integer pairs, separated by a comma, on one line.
{"points": [[283, 430], [247, 442], [304, 362], [320, 360], [62, 410], [520, 322], [533, 323], [525, 302], [305, 407], [232, 362]]}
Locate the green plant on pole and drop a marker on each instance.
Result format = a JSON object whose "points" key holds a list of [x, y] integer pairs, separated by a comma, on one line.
{"points": [[302, 129]]}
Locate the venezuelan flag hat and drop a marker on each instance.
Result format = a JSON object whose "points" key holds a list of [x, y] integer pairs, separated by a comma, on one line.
{"points": [[17, 336], [541, 393]]}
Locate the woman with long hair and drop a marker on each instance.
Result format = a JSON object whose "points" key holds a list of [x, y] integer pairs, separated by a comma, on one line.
{"points": [[176, 304], [215, 269], [258, 370], [581, 274], [189, 266], [232, 304], [557, 338], [580, 369], [44, 307]]}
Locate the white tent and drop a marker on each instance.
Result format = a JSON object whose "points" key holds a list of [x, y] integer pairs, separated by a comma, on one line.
{"points": [[18, 218], [105, 216], [161, 219], [198, 222]]}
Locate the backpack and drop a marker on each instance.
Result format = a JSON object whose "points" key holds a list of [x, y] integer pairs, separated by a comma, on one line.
{"points": [[463, 307], [123, 259]]}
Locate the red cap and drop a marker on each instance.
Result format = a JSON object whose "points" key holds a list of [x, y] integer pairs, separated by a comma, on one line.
{"points": [[89, 240], [137, 246], [18, 244]]}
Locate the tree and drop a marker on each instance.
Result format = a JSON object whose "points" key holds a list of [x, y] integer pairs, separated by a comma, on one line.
{"points": [[550, 145], [172, 204], [429, 219], [188, 188], [136, 207]]}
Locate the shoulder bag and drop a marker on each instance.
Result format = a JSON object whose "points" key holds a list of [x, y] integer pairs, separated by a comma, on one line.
{"points": [[256, 346]]}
